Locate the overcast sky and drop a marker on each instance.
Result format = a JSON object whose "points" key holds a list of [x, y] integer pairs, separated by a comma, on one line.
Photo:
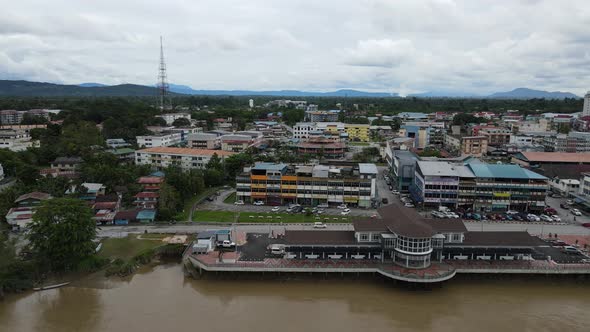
{"points": [[374, 45]]}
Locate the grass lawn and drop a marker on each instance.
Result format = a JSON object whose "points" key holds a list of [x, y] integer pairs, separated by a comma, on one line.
{"points": [[126, 247], [154, 236], [213, 216], [263, 217], [188, 205], [230, 199]]}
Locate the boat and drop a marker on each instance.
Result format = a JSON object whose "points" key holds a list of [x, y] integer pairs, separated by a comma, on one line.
{"points": [[51, 286]]}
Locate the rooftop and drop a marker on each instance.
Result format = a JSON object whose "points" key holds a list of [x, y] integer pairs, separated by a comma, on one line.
{"points": [[319, 237], [503, 172], [501, 239], [34, 195], [437, 168], [561, 157], [185, 151], [269, 166], [368, 169]]}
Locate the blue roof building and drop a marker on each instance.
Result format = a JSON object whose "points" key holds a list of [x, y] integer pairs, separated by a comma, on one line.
{"points": [[146, 216]]}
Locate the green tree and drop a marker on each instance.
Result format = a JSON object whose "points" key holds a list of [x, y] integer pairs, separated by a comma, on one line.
{"points": [[563, 128], [292, 116], [62, 233], [215, 163], [464, 118], [181, 122], [169, 202]]}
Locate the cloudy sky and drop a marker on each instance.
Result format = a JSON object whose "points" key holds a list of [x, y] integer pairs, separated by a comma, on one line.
{"points": [[472, 46]]}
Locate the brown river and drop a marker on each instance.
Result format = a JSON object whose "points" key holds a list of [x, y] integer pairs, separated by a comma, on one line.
{"points": [[162, 299]]}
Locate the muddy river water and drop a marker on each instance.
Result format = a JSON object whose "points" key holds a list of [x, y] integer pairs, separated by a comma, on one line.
{"points": [[163, 299]]}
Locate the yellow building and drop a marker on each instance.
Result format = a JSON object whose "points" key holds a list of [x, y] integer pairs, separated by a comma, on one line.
{"points": [[357, 132]]}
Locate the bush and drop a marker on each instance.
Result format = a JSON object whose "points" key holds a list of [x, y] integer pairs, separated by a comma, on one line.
{"points": [[92, 264]]}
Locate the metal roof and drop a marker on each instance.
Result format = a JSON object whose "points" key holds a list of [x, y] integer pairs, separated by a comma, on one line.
{"points": [[437, 168], [503, 172], [269, 166], [368, 169]]}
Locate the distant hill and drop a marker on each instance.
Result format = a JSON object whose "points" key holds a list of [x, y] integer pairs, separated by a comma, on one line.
{"points": [[443, 94], [524, 93], [91, 85], [279, 93], [25, 88]]}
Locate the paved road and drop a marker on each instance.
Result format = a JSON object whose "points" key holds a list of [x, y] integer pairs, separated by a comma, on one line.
{"points": [[535, 229]]}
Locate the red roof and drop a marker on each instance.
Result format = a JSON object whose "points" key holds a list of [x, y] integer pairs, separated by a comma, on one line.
{"points": [[34, 195], [147, 194], [150, 180], [105, 205]]}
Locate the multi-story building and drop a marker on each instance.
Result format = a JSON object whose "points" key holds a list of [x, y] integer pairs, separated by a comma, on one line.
{"points": [[185, 158], [403, 168], [205, 141], [302, 129], [16, 140], [479, 187], [586, 108], [357, 132], [162, 139], [171, 117], [322, 147], [424, 133], [117, 143], [236, 143], [322, 116], [11, 117], [572, 142], [466, 145], [496, 136], [279, 184]]}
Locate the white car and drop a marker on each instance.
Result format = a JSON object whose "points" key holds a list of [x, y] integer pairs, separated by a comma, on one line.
{"points": [[556, 218], [437, 214], [275, 209], [342, 206], [533, 217], [569, 202], [409, 205], [545, 217], [259, 203], [452, 215], [511, 212], [576, 212], [239, 203], [395, 192], [319, 225], [227, 244], [345, 212]]}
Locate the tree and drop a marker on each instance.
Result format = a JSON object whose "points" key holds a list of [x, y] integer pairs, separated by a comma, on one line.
{"points": [[215, 163], [181, 122], [169, 202], [62, 233], [464, 118], [563, 128], [292, 116]]}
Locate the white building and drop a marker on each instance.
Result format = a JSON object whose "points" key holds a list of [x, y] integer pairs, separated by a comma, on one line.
{"points": [[117, 143], [565, 186], [1, 172], [206, 141], [150, 141], [185, 158], [16, 140], [171, 117], [586, 109], [251, 103], [302, 129]]}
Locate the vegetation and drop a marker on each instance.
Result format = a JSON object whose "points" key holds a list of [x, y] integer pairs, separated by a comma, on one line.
{"points": [[62, 233], [262, 217], [127, 247]]}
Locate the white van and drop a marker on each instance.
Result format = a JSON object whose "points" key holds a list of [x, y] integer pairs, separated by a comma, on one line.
{"points": [[277, 249]]}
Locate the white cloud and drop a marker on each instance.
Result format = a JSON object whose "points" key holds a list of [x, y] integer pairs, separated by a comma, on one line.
{"points": [[387, 45]]}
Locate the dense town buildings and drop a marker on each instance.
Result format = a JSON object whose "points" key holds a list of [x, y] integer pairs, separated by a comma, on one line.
{"points": [[280, 184], [185, 158]]}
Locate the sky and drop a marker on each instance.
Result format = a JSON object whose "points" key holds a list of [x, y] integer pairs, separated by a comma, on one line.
{"points": [[471, 46]]}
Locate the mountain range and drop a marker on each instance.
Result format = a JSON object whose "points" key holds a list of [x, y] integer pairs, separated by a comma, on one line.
{"points": [[42, 89]]}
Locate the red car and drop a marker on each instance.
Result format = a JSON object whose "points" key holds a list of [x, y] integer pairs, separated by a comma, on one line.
{"points": [[586, 224]]}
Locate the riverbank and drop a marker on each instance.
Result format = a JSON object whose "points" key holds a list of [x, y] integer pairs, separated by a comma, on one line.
{"points": [[96, 303]]}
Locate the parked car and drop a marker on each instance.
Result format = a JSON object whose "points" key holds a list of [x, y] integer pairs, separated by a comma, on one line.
{"points": [[323, 206], [345, 212], [546, 218], [556, 218], [342, 206], [275, 209], [477, 216], [451, 215], [259, 203], [576, 212], [586, 224], [550, 211], [319, 225], [564, 206], [517, 217], [409, 205], [570, 250], [557, 196], [239, 202], [226, 244], [384, 200], [437, 214], [533, 217], [511, 212], [395, 192], [569, 202], [509, 217]]}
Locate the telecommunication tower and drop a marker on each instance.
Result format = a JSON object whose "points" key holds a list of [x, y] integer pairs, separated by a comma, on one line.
{"points": [[163, 88]]}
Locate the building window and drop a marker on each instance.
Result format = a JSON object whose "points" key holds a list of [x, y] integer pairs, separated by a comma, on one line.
{"points": [[363, 237], [376, 237]]}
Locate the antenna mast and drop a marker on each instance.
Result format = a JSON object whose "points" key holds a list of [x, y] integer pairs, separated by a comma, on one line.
{"points": [[163, 88]]}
